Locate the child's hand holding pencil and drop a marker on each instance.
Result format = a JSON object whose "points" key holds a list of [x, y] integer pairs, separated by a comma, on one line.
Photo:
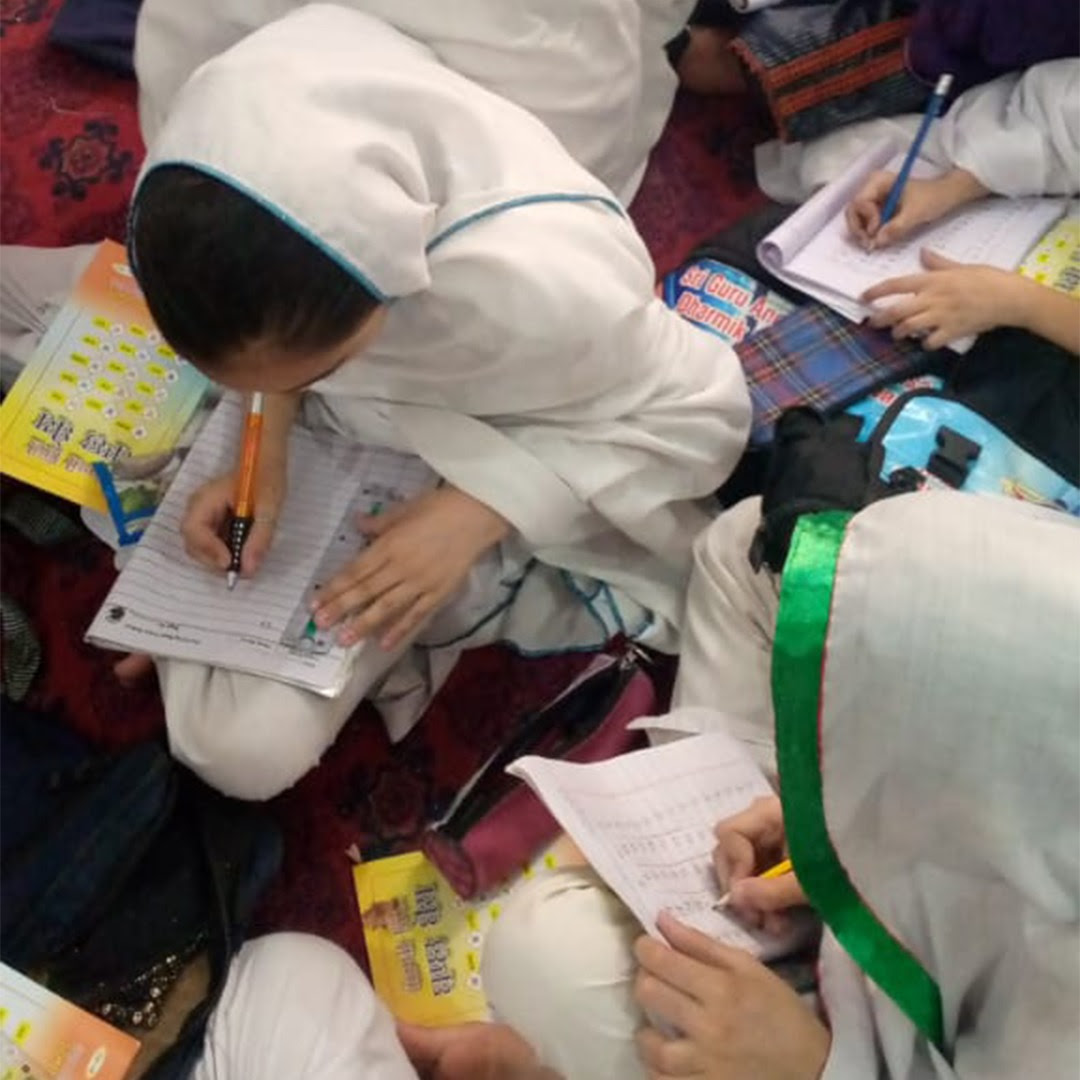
{"points": [[922, 203], [750, 861], [210, 512]]}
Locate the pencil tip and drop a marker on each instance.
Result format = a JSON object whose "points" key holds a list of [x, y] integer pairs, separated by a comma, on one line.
{"points": [[230, 579]]}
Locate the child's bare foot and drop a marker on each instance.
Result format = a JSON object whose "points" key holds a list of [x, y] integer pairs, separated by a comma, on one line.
{"points": [[708, 65]]}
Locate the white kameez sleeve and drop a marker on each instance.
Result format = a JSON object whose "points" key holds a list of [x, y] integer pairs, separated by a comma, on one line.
{"points": [[1020, 134]]}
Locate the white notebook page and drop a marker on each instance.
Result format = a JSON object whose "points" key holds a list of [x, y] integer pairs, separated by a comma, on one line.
{"points": [[814, 251], [645, 823], [166, 604]]}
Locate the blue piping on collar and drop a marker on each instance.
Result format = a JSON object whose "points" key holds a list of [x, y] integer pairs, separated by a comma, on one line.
{"points": [[522, 200], [331, 253], [280, 214]]}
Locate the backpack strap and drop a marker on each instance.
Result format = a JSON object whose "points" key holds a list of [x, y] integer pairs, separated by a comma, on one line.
{"points": [[798, 661]]}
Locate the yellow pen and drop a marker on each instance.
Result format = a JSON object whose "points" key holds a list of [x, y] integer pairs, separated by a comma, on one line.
{"points": [[776, 871]]}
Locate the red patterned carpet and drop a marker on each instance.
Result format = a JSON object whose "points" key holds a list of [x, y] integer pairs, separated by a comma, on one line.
{"points": [[71, 151]]}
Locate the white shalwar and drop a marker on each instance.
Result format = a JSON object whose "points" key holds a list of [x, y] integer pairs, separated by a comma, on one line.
{"points": [[950, 762], [296, 1006], [524, 356], [594, 71]]}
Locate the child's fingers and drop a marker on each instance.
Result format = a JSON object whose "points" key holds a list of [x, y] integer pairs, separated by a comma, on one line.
{"points": [[423, 1046], [917, 325], [907, 218], [409, 623], [258, 542], [658, 998], [202, 541], [762, 822], [862, 221], [776, 923], [668, 1057], [734, 857], [377, 613], [353, 591], [891, 316], [204, 518], [863, 213], [933, 261], [370, 562], [939, 338], [767, 894], [688, 943]]}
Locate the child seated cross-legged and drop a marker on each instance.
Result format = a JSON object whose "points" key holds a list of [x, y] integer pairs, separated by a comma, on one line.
{"points": [[331, 216]]}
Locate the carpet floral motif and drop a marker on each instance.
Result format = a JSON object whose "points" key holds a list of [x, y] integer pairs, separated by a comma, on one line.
{"points": [[85, 159]]}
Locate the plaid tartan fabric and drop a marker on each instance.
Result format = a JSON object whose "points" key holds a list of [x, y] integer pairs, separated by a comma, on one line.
{"points": [[815, 357], [822, 66]]}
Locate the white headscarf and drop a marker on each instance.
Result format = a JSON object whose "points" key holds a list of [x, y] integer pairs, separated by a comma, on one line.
{"points": [[949, 731], [525, 355], [594, 71]]}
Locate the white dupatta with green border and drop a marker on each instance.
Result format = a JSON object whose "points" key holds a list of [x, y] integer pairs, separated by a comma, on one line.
{"points": [[926, 682]]}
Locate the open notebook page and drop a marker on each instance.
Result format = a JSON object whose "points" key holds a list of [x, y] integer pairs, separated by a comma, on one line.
{"points": [[166, 604], [815, 252], [645, 823], [777, 250]]}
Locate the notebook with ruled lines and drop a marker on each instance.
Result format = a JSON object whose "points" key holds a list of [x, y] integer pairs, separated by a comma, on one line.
{"points": [[166, 604]]}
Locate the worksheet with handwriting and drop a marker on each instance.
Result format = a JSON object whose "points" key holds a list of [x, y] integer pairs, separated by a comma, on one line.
{"points": [[645, 822], [166, 604]]}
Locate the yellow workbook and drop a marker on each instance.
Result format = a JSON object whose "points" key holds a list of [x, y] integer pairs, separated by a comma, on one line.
{"points": [[1055, 259], [102, 385], [424, 942]]}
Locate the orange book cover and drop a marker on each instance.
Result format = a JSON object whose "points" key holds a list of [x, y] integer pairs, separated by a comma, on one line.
{"points": [[44, 1037]]}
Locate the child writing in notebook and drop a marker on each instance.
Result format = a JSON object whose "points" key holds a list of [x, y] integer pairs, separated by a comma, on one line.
{"points": [[923, 797], [334, 218], [1019, 135]]}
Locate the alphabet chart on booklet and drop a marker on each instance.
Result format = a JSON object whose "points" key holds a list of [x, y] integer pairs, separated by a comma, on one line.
{"points": [[102, 385]]}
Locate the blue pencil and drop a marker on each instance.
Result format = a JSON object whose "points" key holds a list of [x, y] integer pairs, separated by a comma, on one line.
{"points": [[933, 109]]}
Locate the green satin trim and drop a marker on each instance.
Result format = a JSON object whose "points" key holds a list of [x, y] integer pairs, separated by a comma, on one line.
{"points": [[798, 663]]}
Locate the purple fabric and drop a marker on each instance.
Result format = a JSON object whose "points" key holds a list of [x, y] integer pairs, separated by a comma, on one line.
{"points": [[977, 40], [101, 31]]}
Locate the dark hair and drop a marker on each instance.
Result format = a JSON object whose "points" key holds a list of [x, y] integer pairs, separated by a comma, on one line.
{"points": [[221, 272]]}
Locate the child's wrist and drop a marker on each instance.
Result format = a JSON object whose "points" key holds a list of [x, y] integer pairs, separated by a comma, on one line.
{"points": [[1020, 301], [963, 187]]}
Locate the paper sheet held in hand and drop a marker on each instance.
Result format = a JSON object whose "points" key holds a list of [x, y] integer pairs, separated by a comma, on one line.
{"points": [[645, 823]]}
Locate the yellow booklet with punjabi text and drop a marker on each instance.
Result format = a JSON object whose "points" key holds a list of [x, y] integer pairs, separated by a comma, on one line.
{"points": [[424, 942], [1055, 259], [102, 385]]}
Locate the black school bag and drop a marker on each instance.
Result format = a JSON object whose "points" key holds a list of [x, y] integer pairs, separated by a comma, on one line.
{"points": [[1026, 388], [116, 869]]}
